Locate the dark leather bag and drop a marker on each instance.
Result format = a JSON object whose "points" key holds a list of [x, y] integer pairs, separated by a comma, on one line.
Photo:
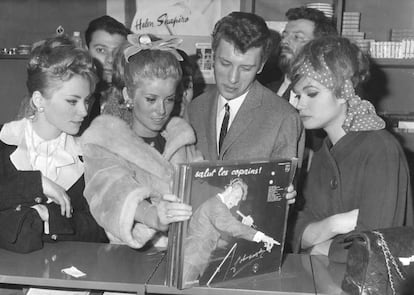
{"points": [[373, 265]]}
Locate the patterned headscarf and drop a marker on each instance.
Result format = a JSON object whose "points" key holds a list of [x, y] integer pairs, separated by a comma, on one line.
{"points": [[361, 115], [142, 42]]}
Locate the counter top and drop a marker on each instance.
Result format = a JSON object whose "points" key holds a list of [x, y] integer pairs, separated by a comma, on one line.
{"points": [[295, 277], [107, 267], [119, 268]]}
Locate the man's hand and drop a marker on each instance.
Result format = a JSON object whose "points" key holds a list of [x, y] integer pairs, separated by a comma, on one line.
{"points": [[247, 220], [269, 242]]}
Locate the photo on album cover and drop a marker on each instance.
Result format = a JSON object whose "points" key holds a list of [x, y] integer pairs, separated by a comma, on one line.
{"points": [[238, 224]]}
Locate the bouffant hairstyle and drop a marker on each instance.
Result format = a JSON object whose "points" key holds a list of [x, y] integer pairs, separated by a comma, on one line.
{"points": [[149, 64], [342, 58], [54, 61]]}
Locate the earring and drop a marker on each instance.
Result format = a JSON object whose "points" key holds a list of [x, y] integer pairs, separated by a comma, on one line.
{"points": [[129, 105], [40, 109]]}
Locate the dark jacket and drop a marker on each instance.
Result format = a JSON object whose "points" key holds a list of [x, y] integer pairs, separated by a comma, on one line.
{"points": [[365, 170], [21, 228]]}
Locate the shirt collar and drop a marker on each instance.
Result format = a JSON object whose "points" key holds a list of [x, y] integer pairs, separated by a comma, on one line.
{"points": [[234, 103]]}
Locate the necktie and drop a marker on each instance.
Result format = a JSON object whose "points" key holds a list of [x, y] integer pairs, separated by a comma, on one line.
{"points": [[224, 125]]}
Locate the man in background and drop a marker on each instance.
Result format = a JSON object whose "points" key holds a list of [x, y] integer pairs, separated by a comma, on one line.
{"points": [[304, 24], [240, 119], [103, 35]]}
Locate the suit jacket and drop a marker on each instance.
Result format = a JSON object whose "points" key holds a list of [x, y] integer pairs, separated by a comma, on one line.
{"points": [[275, 85], [210, 221], [265, 127]]}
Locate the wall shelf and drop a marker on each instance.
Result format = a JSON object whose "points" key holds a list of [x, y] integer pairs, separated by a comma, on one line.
{"points": [[394, 62], [14, 56]]}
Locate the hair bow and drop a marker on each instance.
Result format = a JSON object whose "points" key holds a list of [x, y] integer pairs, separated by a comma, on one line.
{"points": [[143, 42]]}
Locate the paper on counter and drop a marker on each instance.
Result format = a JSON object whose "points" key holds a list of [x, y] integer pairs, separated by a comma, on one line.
{"points": [[74, 272]]}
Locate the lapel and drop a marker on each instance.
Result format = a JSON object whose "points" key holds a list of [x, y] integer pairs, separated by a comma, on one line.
{"points": [[244, 117], [211, 131], [13, 132]]}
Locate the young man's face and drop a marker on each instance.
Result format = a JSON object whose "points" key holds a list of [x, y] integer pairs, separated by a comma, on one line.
{"points": [[296, 34], [234, 71], [101, 48]]}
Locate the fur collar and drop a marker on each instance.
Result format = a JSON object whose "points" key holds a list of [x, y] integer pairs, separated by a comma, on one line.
{"points": [[115, 135]]}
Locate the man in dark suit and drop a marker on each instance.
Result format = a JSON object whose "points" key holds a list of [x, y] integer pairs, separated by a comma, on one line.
{"points": [[304, 24], [239, 118], [210, 222]]}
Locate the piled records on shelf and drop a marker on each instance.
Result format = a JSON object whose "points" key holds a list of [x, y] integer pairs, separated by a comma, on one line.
{"points": [[326, 8], [351, 30]]}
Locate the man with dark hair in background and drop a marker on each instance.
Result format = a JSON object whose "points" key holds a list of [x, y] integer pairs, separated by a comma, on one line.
{"points": [[103, 35], [304, 24]]}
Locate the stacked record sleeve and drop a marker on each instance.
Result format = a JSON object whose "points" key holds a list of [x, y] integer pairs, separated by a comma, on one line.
{"points": [[398, 35], [351, 30], [326, 8]]}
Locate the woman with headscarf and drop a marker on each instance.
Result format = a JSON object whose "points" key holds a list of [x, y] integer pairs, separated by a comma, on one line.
{"points": [[359, 178]]}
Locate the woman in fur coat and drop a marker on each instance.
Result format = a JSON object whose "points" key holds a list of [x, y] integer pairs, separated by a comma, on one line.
{"points": [[129, 165]]}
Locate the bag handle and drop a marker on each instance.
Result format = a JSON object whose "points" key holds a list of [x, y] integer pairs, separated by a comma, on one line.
{"points": [[389, 258]]}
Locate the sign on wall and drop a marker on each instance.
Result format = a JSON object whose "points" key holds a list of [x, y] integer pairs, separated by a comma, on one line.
{"points": [[180, 17]]}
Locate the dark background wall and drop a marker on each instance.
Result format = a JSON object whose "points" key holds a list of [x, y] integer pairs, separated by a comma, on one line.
{"points": [[27, 21]]}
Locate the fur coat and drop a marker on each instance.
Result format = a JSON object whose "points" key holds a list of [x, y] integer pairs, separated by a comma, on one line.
{"points": [[122, 170]]}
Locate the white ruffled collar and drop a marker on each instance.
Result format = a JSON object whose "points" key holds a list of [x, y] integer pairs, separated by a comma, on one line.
{"points": [[57, 159]]}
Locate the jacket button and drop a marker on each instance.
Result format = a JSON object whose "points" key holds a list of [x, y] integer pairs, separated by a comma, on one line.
{"points": [[38, 200], [19, 208], [54, 237], [334, 183]]}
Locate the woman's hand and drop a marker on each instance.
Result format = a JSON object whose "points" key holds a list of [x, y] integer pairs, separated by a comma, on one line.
{"points": [[290, 194], [343, 223], [321, 248], [58, 195], [169, 209], [325, 229]]}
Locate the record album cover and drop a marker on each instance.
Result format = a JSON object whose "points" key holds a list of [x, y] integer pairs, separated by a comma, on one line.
{"points": [[238, 224]]}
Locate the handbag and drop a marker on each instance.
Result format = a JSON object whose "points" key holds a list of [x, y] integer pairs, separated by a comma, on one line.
{"points": [[373, 264]]}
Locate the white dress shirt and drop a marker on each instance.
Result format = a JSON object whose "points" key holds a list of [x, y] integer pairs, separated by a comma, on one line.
{"points": [[235, 105]]}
